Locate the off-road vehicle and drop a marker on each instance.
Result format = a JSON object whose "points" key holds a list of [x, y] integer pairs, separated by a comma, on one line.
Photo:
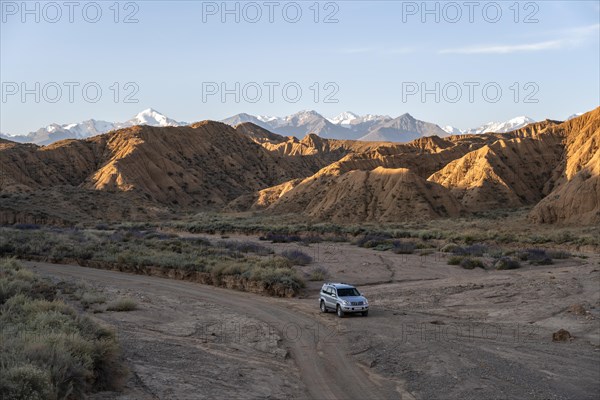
{"points": [[342, 298]]}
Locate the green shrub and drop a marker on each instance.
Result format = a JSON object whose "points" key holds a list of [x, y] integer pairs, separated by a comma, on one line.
{"points": [[26, 381], [275, 262], [271, 276], [505, 263], [318, 273], [471, 263], [383, 247], [297, 257], [455, 260], [124, 304], [47, 349], [449, 248], [559, 254], [88, 299]]}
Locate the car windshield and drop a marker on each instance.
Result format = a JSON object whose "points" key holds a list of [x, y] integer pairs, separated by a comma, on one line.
{"points": [[348, 292]]}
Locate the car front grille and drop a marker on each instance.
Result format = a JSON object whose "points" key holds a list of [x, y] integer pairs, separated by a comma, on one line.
{"points": [[357, 303]]}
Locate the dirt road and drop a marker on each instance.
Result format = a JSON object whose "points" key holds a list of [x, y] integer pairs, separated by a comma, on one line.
{"points": [[434, 331], [325, 368]]}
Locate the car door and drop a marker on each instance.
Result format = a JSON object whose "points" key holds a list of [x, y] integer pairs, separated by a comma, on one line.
{"points": [[325, 295], [329, 301], [332, 298]]}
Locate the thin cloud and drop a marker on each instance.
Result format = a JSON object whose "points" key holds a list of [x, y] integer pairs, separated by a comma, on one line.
{"points": [[575, 36], [505, 49]]}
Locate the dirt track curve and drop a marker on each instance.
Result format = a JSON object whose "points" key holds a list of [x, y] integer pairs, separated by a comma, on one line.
{"points": [[326, 370]]}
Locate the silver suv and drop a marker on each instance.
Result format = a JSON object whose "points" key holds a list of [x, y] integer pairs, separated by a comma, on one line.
{"points": [[342, 298]]}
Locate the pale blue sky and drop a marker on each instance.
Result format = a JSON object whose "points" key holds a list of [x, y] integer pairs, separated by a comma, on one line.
{"points": [[370, 54]]}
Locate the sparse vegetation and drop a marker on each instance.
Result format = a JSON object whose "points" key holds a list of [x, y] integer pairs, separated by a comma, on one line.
{"points": [[471, 263], [384, 243], [449, 248], [319, 273], [500, 227], [245, 247], [506, 263], [475, 250], [455, 260], [297, 257], [282, 238], [124, 304], [150, 251], [48, 349], [535, 256], [559, 254], [90, 298]]}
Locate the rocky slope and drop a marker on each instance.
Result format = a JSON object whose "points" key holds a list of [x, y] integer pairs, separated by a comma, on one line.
{"points": [[508, 173], [574, 191], [382, 194]]}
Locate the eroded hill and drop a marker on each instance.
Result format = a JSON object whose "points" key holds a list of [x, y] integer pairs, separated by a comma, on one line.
{"points": [[143, 172]]}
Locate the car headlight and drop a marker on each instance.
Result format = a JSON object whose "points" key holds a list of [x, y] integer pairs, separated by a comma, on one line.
{"points": [[345, 302], [366, 302]]}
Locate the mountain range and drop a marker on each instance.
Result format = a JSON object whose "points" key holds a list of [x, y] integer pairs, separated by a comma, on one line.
{"points": [[369, 127], [142, 172], [91, 127], [345, 126]]}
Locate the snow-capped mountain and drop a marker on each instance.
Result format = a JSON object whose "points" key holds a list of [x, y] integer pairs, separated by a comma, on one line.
{"points": [[299, 124], [345, 118], [308, 121], [267, 118], [574, 116], [346, 125], [243, 117], [402, 129], [452, 130], [149, 117], [502, 127], [358, 123], [81, 130]]}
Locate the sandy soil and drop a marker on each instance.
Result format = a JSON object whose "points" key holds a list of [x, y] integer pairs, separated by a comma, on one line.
{"points": [[434, 331]]}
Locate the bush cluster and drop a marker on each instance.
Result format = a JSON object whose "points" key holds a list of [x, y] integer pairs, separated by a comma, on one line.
{"points": [[297, 257], [132, 247], [319, 273], [47, 349], [505, 263]]}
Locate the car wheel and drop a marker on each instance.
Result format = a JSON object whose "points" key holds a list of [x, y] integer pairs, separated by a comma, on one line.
{"points": [[323, 308], [340, 313], [365, 313]]}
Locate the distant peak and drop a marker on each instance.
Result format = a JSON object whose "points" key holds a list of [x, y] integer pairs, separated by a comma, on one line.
{"points": [[521, 118], [149, 111], [308, 112]]}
